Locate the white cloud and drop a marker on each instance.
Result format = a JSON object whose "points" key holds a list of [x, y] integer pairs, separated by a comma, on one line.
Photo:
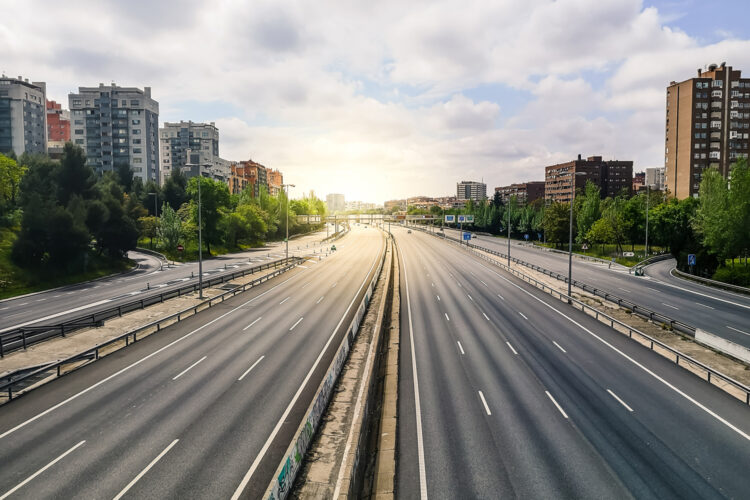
{"points": [[374, 99]]}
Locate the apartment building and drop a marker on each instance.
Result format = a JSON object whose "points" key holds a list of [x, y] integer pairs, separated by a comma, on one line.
{"points": [[471, 190], [335, 202], [613, 177], [275, 182], [248, 175], [23, 117], [525, 192], [175, 139], [117, 125], [707, 125], [654, 177]]}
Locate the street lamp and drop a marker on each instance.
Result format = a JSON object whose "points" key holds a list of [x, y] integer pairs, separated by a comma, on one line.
{"points": [[287, 186], [570, 233], [507, 209], [200, 225], [648, 198]]}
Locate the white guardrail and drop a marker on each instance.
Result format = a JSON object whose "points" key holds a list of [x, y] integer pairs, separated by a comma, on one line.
{"points": [[281, 485]]}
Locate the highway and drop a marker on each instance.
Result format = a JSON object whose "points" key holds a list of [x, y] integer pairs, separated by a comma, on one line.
{"points": [[507, 392], [52, 306], [204, 409], [720, 312]]}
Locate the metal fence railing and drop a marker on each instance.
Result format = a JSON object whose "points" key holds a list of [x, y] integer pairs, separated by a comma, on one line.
{"points": [[21, 338]]}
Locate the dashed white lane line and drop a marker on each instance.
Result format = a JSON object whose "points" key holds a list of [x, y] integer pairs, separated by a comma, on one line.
{"points": [[23, 304], [334, 285], [459, 284], [511, 348], [472, 273], [486, 317], [653, 289], [40, 300], [320, 299], [523, 315], [144, 471], [484, 402], [297, 323], [669, 305], [501, 297], [31, 477], [438, 297], [559, 347], [624, 289], [460, 346], [470, 297], [558, 406], [432, 284], [299, 265], [485, 284], [284, 300], [183, 372], [249, 369], [251, 324], [704, 305], [446, 317], [303, 286], [619, 400], [736, 330]]}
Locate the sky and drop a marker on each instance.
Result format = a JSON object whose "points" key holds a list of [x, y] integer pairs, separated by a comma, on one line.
{"points": [[388, 99]]}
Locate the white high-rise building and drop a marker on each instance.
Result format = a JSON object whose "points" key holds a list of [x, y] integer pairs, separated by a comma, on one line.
{"points": [[655, 178], [23, 116], [471, 190]]}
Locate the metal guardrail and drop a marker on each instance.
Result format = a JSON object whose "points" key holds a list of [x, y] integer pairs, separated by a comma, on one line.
{"points": [[709, 282], [133, 335], [21, 338], [634, 308], [638, 268]]}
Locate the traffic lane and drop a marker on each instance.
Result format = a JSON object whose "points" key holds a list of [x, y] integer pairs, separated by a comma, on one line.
{"points": [[668, 445], [205, 365], [689, 306], [463, 356], [545, 456]]}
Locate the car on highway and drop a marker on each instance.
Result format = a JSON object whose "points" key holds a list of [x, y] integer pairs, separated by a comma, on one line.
{"points": [[408, 231]]}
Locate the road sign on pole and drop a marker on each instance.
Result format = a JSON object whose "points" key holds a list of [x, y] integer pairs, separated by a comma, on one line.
{"points": [[461, 218], [469, 218], [691, 259], [450, 218], [180, 248], [467, 236]]}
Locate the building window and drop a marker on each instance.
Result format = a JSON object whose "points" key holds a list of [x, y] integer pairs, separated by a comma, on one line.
{"points": [[137, 160], [137, 151], [135, 103], [76, 102], [79, 141], [136, 131], [136, 122], [78, 131]]}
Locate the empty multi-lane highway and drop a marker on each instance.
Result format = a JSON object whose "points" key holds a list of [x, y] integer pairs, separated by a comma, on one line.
{"points": [[204, 409], [505, 391]]}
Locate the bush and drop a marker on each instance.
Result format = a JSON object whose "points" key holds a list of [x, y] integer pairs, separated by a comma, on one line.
{"points": [[736, 275]]}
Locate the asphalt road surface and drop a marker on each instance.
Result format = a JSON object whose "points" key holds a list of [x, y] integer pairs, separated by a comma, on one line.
{"points": [[507, 392], [199, 409], [53, 306], [722, 313]]}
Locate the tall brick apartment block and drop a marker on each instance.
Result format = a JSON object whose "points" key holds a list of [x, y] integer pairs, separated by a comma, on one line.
{"points": [[613, 177], [708, 125]]}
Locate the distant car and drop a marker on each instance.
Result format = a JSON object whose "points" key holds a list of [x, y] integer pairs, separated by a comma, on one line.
{"points": [[333, 248], [473, 235], [408, 231]]}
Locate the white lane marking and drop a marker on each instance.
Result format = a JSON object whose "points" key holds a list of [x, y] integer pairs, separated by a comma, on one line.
{"points": [[523, 315], [284, 300], [300, 265], [23, 303], [144, 471], [624, 290], [470, 297], [297, 323], [511, 348], [501, 297], [703, 294], [486, 317], [303, 286], [183, 372], [433, 285], [736, 330], [472, 273], [253, 366], [485, 284], [620, 400], [54, 315], [312, 262], [704, 305], [320, 299], [653, 289], [136, 363], [251, 324], [56, 296], [636, 363], [484, 402], [334, 285], [669, 305], [40, 300], [31, 477], [558, 406], [460, 346], [559, 347], [249, 474], [459, 284], [438, 297], [446, 317]]}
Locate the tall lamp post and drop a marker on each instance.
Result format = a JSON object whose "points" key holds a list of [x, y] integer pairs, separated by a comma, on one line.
{"points": [[156, 214], [507, 209], [648, 199], [200, 225], [570, 233], [287, 186]]}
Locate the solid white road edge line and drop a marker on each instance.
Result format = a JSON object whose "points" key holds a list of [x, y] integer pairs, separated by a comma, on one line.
{"points": [[183, 372], [460, 346], [559, 347], [267, 444], [37, 320], [320, 299], [253, 366], [619, 400], [486, 317], [511, 348], [470, 297], [251, 324], [558, 406], [633, 361], [736, 330], [31, 477], [523, 315], [446, 317], [484, 402], [136, 363], [297, 323], [285, 300], [144, 471]]}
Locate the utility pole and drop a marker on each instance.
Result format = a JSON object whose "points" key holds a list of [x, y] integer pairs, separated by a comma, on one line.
{"points": [[287, 186], [570, 230], [645, 250], [507, 209]]}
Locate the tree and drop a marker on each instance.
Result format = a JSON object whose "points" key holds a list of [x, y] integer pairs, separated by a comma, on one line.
{"points": [[124, 176], [11, 173], [170, 227], [614, 213], [73, 176], [589, 209], [712, 218], [497, 201], [600, 232], [214, 198], [556, 222], [173, 189], [149, 228]]}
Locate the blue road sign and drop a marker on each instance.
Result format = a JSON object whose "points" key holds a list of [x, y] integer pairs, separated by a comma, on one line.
{"points": [[450, 218], [469, 218], [691, 259], [461, 218], [467, 236], [526, 236]]}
